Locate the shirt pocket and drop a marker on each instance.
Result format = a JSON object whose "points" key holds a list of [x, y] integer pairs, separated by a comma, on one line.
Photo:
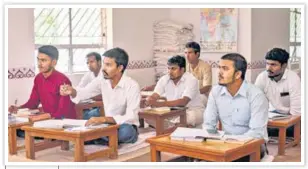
{"points": [[285, 100], [240, 118]]}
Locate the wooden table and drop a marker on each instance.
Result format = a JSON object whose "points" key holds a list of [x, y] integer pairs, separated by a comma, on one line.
{"points": [[80, 107], [282, 125], [206, 150], [12, 128], [160, 117], [14, 125], [78, 137]]}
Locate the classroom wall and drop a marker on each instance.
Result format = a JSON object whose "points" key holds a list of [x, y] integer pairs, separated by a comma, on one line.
{"points": [[258, 31]]}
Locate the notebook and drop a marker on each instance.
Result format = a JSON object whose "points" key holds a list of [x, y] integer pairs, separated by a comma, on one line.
{"points": [[277, 116]]}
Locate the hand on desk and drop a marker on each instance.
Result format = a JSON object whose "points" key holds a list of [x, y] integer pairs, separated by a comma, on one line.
{"points": [[153, 102], [100, 120], [13, 109]]}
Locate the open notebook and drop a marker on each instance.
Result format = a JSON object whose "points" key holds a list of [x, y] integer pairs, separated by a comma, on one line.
{"points": [[69, 124], [277, 116], [27, 115], [199, 135]]}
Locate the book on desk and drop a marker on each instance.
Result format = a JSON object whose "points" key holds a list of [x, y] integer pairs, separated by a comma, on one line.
{"points": [[200, 135], [274, 115], [28, 115], [67, 124]]}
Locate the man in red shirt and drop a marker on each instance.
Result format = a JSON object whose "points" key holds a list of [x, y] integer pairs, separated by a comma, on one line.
{"points": [[47, 86]]}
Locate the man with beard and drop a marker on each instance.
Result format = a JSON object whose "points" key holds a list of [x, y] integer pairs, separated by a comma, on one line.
{"points": [[121, 97], [197, 67], [241, 107], [94, 62], [46, 88], [281, 86], [181, 89]]}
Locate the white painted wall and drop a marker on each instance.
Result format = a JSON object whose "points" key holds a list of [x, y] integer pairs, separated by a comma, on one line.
{"points": [[20, 51], [259, 30]]}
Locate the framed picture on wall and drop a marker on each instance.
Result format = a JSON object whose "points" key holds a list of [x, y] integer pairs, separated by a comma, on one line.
{"points": [[218, 29]]}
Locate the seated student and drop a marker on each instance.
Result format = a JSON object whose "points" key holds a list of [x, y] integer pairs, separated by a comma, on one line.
{"points": [[94, 62], [281, 86], [241, 107], [180, 89], [46, 88], [200, 69], [121, 97]]}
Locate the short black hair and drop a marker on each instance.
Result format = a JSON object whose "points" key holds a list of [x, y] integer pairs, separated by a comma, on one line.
{"points": [[97, 56], [177, 60], [278, 54], [49, 50], [119, 55], [239, 62], [193, 45]]}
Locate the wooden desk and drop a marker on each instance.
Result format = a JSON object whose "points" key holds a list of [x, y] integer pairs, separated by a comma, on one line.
{"points": [[160, 117], [12, 128], [282, 125], [83, 106], [207, 150], [12, 131], [78, 137]]}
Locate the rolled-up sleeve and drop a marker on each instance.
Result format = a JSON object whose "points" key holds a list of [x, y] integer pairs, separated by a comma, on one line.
{"points": [[91, 90]]}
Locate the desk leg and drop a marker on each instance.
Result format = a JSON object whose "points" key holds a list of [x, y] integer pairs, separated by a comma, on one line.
{"points": [[12, 141], [255, 156], [159, 126], [141, 122], [282, 140], [29, 143], [155, 155], [65, 145], [79, 155], [113, 145], [297, 133]]}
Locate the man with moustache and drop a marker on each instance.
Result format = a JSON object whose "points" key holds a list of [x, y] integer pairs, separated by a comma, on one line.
{"points": [[241, 107], [121, 97], [197, 67], [281, 86], [200, 69], [94, 62], [181, 89], [46, 88]]}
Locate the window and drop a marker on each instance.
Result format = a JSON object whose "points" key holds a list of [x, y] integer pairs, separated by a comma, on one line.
{"points": [[295, 34], [74, 31]]}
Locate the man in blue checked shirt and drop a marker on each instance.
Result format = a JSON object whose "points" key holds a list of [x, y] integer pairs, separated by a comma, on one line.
{"points": [[241, 107]]}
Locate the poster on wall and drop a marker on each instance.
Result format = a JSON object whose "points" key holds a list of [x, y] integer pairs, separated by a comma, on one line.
{"points": [[218, 28]]}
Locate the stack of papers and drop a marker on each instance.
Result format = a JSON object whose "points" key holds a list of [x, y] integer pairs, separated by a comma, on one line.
{"points": [[87, 101]]}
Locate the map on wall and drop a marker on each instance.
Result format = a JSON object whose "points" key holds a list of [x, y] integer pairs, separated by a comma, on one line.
{"points": [[218, 28]]}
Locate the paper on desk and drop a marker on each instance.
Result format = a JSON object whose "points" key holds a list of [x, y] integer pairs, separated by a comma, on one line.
{"points": [[57, 123], [147, 93], [182, 132]]}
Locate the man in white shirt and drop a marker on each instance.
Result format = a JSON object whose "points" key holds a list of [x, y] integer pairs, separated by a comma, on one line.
{"points": [[121, 97], [281, 86], [94, 62], [181, 89]]}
